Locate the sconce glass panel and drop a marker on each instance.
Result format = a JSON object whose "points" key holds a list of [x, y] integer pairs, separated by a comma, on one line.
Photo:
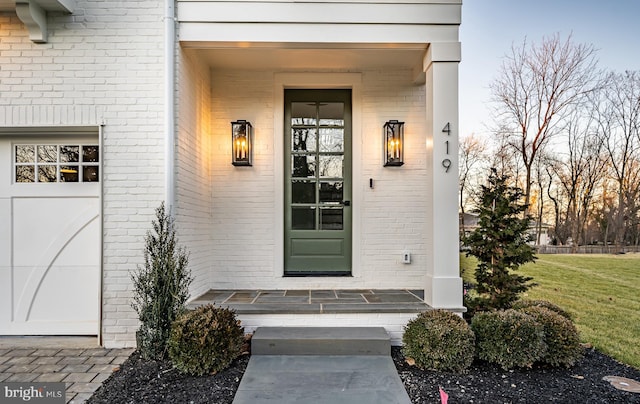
{"points": [[393, 143], [241, 143]]}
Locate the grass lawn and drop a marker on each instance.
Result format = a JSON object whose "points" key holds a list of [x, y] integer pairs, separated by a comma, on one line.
{"points": [[602, 292]]}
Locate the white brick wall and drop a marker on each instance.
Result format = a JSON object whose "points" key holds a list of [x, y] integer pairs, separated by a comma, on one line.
{"points": [[393, 213], [194, 203], [101, 65]]}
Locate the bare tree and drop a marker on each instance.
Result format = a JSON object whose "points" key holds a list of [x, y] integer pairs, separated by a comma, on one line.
{"points": [[579, 173], [535, 89], [472, 153], [618, 118]]}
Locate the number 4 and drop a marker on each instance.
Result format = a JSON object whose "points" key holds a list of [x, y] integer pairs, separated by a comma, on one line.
{"points": [[447, 129]]}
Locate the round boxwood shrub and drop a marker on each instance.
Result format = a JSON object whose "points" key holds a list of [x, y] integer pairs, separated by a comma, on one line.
{"points": [[509, 338], [521, 304], [439, 340], [560, 335], [205, 340]]}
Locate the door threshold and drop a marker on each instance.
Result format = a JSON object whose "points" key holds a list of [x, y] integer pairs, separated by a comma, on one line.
{"points": [[317, 274]]}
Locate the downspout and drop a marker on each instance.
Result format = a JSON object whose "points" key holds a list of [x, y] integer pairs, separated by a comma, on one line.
{"points": [[169, 103]]}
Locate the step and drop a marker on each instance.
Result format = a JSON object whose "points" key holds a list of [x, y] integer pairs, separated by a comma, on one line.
{"points": [[320, 341]]}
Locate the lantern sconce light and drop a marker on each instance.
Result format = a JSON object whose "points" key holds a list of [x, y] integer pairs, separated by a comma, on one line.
{"points": [[241, 143], [393, 143]]}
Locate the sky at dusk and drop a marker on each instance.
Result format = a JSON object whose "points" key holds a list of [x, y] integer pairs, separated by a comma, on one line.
{"points": [[490, 27]]}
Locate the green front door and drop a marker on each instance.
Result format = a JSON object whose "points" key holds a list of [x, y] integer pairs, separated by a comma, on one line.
{"points": [[317, 182]]}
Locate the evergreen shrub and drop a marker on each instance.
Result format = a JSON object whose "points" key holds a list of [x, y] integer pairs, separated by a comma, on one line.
{"points": [[521, 304], [508, 338], [161, 286], [560, 336], [205, 340], [439, 340]]}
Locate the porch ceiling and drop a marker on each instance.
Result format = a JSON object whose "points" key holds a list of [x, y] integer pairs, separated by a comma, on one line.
{"points": [[309, 56]]}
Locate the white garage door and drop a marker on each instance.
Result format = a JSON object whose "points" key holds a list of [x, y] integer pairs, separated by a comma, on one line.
{"points": [[49, 235]]}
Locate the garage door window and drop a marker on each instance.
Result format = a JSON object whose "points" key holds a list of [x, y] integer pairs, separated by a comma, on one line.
{"points": [[56, 163]]}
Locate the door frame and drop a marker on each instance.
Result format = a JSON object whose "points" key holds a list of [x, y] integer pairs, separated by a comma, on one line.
{"points": [[284, 81], [330, 262]]}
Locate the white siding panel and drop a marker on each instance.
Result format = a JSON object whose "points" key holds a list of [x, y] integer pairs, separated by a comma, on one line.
{"points": [[309, 12]]}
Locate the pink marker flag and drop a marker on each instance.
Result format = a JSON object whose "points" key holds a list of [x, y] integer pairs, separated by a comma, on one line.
{"points": [[444, 397]]}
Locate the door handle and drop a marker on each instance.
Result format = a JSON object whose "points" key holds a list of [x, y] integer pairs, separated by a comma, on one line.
{"points": [[346, 203]]}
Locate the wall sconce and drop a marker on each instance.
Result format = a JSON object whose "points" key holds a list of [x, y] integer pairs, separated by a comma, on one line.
{"points": [[241, 143], [393, 143]]}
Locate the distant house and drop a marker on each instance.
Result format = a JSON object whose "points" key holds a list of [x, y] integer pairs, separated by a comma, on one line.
{"points": [[109, 108], [470, 223]]}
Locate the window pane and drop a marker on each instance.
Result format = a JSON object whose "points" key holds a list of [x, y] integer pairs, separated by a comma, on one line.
{"points": [[47, 174], [331, 140], [331, 166], [331, 113], [69, 174], [90, 174], [303, 139], [25, 174], [69, 154], [331, 191], [47, 153], [303, 218], [25, 154], [331, 219], [90, 154], [303, 166], [303, 113], [303, 192]]}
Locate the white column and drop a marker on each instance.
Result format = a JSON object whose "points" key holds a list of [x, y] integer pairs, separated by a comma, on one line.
{"points": [[443, 287]]}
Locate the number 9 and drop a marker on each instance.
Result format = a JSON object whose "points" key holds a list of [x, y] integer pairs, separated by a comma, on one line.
{"points": [[446, 163]]}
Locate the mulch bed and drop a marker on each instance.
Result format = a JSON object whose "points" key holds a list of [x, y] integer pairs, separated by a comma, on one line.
{"points": [[140, 381]]}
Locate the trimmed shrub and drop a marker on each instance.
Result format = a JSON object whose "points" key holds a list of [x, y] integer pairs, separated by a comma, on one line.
{"points": [[521, 304], [560, 335], [508, 338], [439, 340], [205, 340]]}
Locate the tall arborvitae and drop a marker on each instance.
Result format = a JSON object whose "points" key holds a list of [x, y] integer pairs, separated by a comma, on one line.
{"points": [[161, 286], [500, 244]]}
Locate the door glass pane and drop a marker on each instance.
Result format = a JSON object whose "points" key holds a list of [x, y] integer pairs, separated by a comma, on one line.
{"points": [[303, 113], [47, 174], [303, 218], [25, 174], [90, 174], [331, 166], [47, 153], [303, 191], [69, 154], [303, 166], [331, 113], [90, 154], [69, 174], [331, 191], [303, 139], [25, 154], [331, 139], [331, 218]]}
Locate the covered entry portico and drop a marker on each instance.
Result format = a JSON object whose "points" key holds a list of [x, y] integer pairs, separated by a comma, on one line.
{"points": [[399, 61]]}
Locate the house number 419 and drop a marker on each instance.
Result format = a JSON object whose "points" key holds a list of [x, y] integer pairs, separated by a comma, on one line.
{"points": [[446, 163]]}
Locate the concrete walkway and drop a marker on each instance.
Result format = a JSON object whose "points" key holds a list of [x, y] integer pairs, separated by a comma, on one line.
{"points": [[76, 361], [289, 379]]}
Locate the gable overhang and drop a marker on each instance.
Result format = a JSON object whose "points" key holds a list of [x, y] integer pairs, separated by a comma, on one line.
{"points": [[33, 13]]}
